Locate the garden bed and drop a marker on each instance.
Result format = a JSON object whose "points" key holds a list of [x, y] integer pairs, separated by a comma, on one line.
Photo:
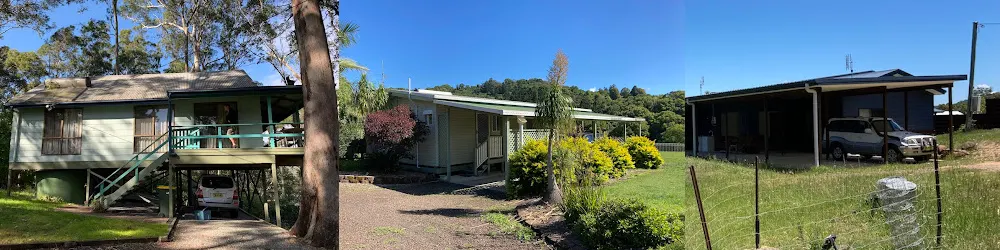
{"points": [[401, 177]]}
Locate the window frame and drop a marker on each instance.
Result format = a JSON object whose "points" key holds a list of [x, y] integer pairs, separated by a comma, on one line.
{"points": [[61, 139], [136, 147]]}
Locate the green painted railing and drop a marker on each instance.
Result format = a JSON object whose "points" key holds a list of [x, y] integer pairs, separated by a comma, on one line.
{"points": [[191, 136], [131, 166]]}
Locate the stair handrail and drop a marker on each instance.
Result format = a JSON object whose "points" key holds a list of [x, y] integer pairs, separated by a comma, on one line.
{"points": [[134, 166]]}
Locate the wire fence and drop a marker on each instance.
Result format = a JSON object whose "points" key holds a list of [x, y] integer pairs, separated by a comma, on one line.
{"points": [[670, 147], [748, 206]]}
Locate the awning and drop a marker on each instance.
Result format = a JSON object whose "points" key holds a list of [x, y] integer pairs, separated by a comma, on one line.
{"points": [[509, 110]]}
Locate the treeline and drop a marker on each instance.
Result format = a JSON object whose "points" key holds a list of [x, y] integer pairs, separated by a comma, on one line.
{"points": [[664, 113]]}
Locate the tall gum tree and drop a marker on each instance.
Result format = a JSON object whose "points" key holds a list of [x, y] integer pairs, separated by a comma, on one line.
{"points": [[318, 222]]}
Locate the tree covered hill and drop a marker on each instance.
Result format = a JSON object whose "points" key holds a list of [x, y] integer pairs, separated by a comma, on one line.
{"points": [[664, 113]]}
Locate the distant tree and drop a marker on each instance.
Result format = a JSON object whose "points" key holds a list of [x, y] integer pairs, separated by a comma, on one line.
{"points": [[443, 87], [673, 134], [626, 92], [613, 92], [95, 46], [636, 91], [554, 112]]}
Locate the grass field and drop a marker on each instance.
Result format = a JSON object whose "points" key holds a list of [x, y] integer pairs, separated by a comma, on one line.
{"points": [[24, 220], [662, 188], [798, 210]]}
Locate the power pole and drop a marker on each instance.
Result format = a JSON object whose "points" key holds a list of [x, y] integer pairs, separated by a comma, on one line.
{"points": [[972, 77]]}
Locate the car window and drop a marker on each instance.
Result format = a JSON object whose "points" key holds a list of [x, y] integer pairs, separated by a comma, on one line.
{"points": [[836, 126], [217, 182], [862, 125]]}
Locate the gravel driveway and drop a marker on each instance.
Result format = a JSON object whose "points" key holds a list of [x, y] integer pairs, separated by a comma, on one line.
{"points": [[416, 216], [419, 217]]}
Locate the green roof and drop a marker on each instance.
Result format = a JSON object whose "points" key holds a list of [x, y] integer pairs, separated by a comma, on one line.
{"points": [[512, 110]]}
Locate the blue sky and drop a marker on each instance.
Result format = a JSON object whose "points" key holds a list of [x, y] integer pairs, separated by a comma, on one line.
{"points": [[437, 42], [739, 44]]}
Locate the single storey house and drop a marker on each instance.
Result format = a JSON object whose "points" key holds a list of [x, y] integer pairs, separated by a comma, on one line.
{"points": [[94, 138], [470, 135], [790, 117]]}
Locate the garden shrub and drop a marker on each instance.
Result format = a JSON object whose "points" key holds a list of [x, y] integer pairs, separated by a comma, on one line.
{"points": [[591, 166], [643, 152], [527, 169], [390, 135], [620, 157], [627, 224]]}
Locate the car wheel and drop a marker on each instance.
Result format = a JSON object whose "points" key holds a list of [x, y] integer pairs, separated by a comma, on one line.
{"points": [[838, 152], [894, 155]]}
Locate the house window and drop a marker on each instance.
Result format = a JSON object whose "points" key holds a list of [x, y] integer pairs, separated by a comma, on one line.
{"points": [[429, 118], [63, 132], [496, 124], [150, 124]]}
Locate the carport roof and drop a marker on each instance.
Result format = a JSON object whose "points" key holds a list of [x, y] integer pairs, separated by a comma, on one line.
{"points": [[893, 78]]}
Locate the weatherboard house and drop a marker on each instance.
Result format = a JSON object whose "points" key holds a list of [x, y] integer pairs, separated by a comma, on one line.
{"points": [[102, 138], [92, 138], [474, 136]]}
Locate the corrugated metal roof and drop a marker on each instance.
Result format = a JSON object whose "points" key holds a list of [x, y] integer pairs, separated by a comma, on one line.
{"points": [[872, 74], [130, 87], [892, 75]]}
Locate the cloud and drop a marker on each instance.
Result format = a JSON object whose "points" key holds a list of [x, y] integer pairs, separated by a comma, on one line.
{"points": [[592, 89], [982, 86]]}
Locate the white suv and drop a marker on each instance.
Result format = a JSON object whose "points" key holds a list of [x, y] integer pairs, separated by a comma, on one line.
{"points": [[219, 192], [864, 136]]}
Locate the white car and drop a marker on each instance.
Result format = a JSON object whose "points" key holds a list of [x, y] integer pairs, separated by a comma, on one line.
{"points": [[219, 193], [863, 136]]}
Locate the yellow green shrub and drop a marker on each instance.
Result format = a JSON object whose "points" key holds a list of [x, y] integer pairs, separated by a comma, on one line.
{"points": [[643, 152], [620, 157], [527, 169], [589, 165]]}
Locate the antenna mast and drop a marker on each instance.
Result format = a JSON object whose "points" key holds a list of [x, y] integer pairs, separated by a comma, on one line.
{"points": [[701, 85], [849, 63]]}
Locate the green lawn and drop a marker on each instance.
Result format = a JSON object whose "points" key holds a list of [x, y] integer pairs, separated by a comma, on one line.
{"points": [[799, 209], [662, 188], [24, 220]]}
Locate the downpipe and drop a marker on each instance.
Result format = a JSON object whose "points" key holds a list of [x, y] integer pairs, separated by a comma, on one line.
{"points": [[816, 121]]}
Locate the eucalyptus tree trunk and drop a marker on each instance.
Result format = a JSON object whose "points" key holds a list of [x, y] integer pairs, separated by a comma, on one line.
{"points": [[318, 222]]}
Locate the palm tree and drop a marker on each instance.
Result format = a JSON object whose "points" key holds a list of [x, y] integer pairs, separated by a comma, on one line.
{"points": [[555, 113]]}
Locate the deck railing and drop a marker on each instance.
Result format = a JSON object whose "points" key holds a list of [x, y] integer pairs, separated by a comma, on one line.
{"points": [[272, 135]]}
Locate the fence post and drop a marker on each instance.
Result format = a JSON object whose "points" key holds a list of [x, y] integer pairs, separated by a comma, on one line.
{"points": [[937, 191], [897, 195], [756, 201], [701, 209]]}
